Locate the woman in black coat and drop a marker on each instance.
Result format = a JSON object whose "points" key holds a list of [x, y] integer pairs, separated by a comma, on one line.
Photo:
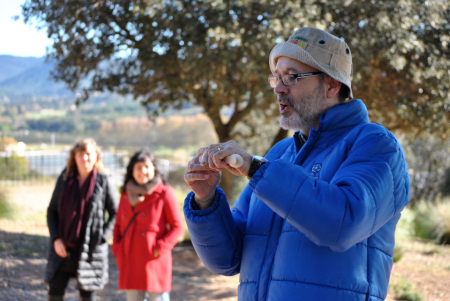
{"points": [[78, 226]]}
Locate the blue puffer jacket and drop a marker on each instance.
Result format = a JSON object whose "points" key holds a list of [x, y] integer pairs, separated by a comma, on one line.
{"points": [[314, 224]]}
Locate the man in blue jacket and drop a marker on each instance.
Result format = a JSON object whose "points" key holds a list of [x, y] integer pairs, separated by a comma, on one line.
{"points": [[317, 218]]}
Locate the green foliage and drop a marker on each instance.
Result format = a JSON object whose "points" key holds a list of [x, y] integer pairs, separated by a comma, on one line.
{"points": [[70, 123], [214, 53], [181, 194], [113, 111], [176, 177], [7, 211], [13, 168], [398, 252], [405, 226], [195, 51], [404, 290], [432, 221]]}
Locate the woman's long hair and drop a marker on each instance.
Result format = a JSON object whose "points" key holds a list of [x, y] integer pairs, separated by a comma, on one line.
{"points": [[71, 167], [140, 156]]}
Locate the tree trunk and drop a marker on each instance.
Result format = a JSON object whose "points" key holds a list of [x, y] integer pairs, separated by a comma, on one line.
{"points": [[278, 137]]}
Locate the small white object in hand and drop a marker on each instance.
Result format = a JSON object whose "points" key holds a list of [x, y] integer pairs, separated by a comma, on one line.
{"points": [[234, 160]]}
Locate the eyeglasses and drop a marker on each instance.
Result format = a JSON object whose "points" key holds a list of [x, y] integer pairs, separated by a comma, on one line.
{"points": [[290, 79]]}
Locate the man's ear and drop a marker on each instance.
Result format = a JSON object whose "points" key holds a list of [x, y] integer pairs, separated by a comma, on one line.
{"points": [[332, 87]]}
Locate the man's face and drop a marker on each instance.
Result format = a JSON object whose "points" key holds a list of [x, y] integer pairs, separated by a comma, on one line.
{"points": [[300, 105]]}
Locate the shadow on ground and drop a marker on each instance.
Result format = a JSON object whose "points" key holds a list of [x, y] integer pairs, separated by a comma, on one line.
{"points": [[23, 260]]}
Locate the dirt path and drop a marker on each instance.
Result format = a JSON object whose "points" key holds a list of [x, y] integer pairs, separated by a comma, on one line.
{"points": [[21, 277], [23, 248]]}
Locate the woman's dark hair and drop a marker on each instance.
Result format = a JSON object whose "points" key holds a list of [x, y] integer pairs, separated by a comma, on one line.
{"points": [[141, 156]]}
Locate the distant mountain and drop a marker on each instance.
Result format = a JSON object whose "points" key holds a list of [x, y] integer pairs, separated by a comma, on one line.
{"points": [[13, 65], [26, 77]]}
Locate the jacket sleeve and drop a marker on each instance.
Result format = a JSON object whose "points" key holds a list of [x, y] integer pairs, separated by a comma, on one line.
{"points": [[217, 232], [53, 209], [369, 188], [111, 203], [172, 215]]}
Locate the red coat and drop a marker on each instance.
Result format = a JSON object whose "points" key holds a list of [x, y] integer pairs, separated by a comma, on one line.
{"points": [[158, 225]]}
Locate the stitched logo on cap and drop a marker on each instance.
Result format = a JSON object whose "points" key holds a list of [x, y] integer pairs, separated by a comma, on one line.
{"points": [[299, 41]]}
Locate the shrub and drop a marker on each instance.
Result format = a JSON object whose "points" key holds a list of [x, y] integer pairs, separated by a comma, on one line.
{"points": [[432, 221], [13, 168], [6, 209], [398, 253], [404, 290], [181, 195], [405, 226], [176, 178]]}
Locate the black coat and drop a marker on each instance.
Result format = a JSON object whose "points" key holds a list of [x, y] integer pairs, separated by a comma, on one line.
{"points": [[92, 270]]}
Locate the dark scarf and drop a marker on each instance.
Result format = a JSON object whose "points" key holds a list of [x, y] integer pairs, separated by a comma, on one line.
{"points": [[72, 207], [136, 191]]}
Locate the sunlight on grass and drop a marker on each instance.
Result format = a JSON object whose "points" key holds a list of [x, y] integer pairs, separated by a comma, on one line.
{"points": [[404, 290], [7, 210], [181, 193]]}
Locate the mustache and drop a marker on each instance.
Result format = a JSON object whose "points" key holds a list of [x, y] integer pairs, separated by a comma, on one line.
{"points": [[285, 99]]}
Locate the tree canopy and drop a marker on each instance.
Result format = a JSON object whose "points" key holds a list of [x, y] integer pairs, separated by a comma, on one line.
{"points": [[214, 53]]}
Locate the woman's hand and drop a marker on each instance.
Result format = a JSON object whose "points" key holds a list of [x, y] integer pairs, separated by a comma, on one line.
{"points": [[60, 248]]}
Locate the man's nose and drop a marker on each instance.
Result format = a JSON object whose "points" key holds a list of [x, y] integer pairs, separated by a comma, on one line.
{"points": [[280, 88]]}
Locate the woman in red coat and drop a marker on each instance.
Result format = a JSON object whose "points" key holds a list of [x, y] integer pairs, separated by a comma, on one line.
{"points": [[148, 226]]}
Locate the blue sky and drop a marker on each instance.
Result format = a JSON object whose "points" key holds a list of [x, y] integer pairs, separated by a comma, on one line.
{"points": [[17, 38]]}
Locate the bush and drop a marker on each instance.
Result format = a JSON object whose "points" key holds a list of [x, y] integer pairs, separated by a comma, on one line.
{"points": [[405, 226], [181, 195], [404, 290], [176, 178], [13, 168], [6, 209], [432, 221], [398, 253]]}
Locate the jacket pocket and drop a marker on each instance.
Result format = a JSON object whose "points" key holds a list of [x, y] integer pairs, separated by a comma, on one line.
{"points": [[150, 238], [53, 264]]}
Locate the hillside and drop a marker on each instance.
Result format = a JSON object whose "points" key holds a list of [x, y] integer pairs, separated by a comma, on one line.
{"points": [[29, 77], [11, 66]]}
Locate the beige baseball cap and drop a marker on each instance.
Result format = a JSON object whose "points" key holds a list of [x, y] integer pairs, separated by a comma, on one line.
{"points": [[318, 49]]}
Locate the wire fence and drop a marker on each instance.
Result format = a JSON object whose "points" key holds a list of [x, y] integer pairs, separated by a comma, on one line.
{"points": [[47, 165]]}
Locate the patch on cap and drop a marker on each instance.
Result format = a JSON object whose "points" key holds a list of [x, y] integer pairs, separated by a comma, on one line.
{"points": [[299, 41]]}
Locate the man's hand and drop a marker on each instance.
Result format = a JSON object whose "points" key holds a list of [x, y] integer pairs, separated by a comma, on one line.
{"points": [[201, 178], [216, 154], [60, 248]]}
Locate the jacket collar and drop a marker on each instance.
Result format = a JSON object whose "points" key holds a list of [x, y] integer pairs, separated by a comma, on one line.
{"points": [[159, 187], [343, 115]]}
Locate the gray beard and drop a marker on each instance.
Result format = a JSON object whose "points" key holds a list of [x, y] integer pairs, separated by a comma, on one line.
{"points": [[306, 113]]}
